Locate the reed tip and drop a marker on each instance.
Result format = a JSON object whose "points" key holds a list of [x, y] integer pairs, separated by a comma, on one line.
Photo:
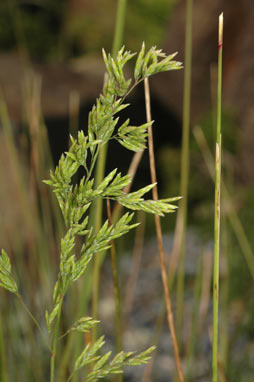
{"points": [[221, 29]]}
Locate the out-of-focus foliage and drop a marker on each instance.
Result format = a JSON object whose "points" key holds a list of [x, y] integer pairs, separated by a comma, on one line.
{"points": [[34, 26], [147, 20], [200, 202], [62, 29], [230, 131], [7, 36]]}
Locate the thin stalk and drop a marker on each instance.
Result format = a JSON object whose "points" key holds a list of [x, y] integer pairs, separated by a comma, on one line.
{"points": [[217, 211], [119, 27], [100, 169], [54, 344], [232, 214], [205, 289], [134, 271], [182, 213], [86, 288], [224, 291], [34, 320], [30, 363], [119, 345], [74, 107], [160, 319], [159, 237], [221, 369]]}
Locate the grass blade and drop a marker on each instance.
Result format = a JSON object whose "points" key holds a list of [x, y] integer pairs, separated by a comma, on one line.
{"points": [[217, 212]]}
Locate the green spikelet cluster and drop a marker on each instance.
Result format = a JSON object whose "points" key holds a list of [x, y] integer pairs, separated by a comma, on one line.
{"points": [[76, 199]]}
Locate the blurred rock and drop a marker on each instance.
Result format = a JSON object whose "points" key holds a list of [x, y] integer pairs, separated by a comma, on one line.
{"points": [[58, 81]]}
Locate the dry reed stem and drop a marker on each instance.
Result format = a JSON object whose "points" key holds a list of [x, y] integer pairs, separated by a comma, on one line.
{"points": [[221, 369], [159, 237]]}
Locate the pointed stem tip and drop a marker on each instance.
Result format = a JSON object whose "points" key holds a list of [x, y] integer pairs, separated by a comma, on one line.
{"points": [[220, 30]]}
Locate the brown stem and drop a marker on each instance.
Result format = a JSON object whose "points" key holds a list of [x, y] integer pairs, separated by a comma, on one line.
{"points": [[159, 237]]}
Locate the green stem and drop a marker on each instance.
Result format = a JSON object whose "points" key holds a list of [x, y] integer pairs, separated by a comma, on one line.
{"points": [[100, 170], [217, 212], [54, 344], [116, 285], [182, 217], [93, 162], [119, 27], [232, 214], [97, 219], [34, 320], [116, 291]]}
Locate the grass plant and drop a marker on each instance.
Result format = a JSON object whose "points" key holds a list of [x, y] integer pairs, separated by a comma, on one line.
{"points": [[65, 345], [75, 199], [217, 209], [100, 169]]}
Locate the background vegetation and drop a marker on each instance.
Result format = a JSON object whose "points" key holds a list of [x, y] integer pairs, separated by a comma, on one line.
{"points": [[51, 32]]}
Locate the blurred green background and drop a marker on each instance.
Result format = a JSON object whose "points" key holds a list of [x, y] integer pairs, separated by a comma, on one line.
{"points": [[62, 29]]}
